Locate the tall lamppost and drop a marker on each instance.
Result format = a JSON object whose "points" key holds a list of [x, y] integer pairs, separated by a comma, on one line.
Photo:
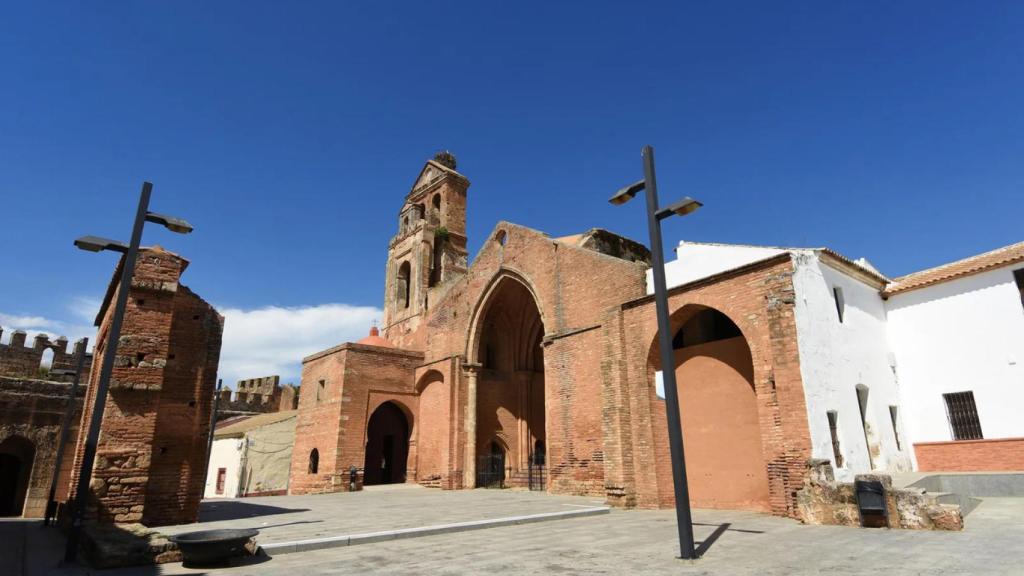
{"points": [[675, 431], [96, 244], [65, 429]]}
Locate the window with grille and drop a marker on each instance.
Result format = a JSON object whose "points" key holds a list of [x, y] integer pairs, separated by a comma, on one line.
{"points": [[963, 416], [833, 429], [222, 474]]}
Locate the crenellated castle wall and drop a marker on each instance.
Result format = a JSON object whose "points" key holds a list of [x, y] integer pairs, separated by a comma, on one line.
{"points": [[257, 396], [19, 360]]}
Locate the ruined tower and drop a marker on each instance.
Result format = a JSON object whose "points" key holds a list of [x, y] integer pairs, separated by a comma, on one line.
{"points": [[429, 250]]}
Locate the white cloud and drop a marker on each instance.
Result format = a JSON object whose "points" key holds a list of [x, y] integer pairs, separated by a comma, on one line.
{"points": [[257, 342], [33, 325], [85, 308], [273, 340]]}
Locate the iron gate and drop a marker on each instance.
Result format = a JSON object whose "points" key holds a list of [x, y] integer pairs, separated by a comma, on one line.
{"points": [[490, 471]]}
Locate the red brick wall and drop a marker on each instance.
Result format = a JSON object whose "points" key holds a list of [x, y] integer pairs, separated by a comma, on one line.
{"points": [[151, 457], [433, 437], [358, 379], [1002, 454], [573, 288], [759, 299]]}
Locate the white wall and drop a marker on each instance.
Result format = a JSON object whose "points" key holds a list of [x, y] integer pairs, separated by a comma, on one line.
{"points": [[965, 334], [226, 453], [694, 261], [837, 356]]}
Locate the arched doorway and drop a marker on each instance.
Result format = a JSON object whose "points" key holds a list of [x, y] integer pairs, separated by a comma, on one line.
{"points": [[719, 412], [16, 458], [387, 446], [510, 386]]}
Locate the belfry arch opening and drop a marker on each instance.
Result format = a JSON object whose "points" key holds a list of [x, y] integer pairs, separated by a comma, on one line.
{"points": [[404, 285], [387, 446], [719, 412], [510, 388], [17, 455]]}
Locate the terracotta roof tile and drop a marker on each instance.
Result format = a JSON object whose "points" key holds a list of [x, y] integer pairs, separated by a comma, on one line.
{"points": [[1004, 256]]}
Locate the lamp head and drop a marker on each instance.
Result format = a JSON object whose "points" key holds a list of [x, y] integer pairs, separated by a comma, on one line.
{"points": [[97, 244], [626, 194], [170, 222]]}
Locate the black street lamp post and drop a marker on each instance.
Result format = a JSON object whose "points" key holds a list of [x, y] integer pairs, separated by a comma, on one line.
{"points": [[95, 244], [65, 430], [675, 431]]}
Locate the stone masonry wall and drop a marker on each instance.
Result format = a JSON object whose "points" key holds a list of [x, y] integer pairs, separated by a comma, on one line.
{"points": [[16, 359], [33, 410], [150, 464], [257, 396]]}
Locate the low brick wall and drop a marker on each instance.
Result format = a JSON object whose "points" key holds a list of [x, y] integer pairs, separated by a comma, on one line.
{"points": [[1002, 454]]}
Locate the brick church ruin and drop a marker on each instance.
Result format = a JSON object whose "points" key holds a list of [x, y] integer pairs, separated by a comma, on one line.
{"points": [[538, 360]]}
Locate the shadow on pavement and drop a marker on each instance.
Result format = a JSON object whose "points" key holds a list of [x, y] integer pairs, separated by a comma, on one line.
{"points": [[234, 510], [704, 545]]}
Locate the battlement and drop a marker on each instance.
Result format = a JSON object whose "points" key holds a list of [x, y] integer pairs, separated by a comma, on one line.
{"points": [[16, 359], [257, 396]]}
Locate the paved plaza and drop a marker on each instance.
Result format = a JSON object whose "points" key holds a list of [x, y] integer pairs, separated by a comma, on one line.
{"points": [[621, 542]]}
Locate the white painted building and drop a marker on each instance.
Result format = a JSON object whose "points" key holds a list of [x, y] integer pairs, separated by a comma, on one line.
{"points": [[251, 456], [877, 355]]}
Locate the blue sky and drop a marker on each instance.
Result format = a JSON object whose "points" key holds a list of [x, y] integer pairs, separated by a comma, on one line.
{"points": [[288, 134]]}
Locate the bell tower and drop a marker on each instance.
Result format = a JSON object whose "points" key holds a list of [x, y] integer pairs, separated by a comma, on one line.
{"points": [[429, 250]]}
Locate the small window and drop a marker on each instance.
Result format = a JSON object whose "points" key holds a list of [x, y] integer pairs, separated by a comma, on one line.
{"points": [[894, 416], [222, 474], [963, 416], [321, 390], [833, 430], [837, 293], [314, 461], [437, 202], [1018, 276]]}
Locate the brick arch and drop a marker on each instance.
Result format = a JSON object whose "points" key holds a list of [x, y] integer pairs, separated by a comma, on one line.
{"points": [[17, 462], [760, 301], [487, 297], [402, 406], [387, 462], [720, 414], [682, 314], [428, 377], [433, 432]]}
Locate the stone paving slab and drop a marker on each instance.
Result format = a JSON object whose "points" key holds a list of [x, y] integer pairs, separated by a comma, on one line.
{"points": [[276, 549], [379, 509], [644, 542]]}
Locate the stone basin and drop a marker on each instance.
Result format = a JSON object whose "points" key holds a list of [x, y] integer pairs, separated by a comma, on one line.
{"points": [[212, 547]]}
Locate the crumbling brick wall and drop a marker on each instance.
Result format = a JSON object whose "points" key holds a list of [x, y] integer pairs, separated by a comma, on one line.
{"points": [[32, 411], [150, 462], [257, 396]]}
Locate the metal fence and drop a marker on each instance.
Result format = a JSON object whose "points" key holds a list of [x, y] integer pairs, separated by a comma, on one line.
{"points": [[491, 472]]}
